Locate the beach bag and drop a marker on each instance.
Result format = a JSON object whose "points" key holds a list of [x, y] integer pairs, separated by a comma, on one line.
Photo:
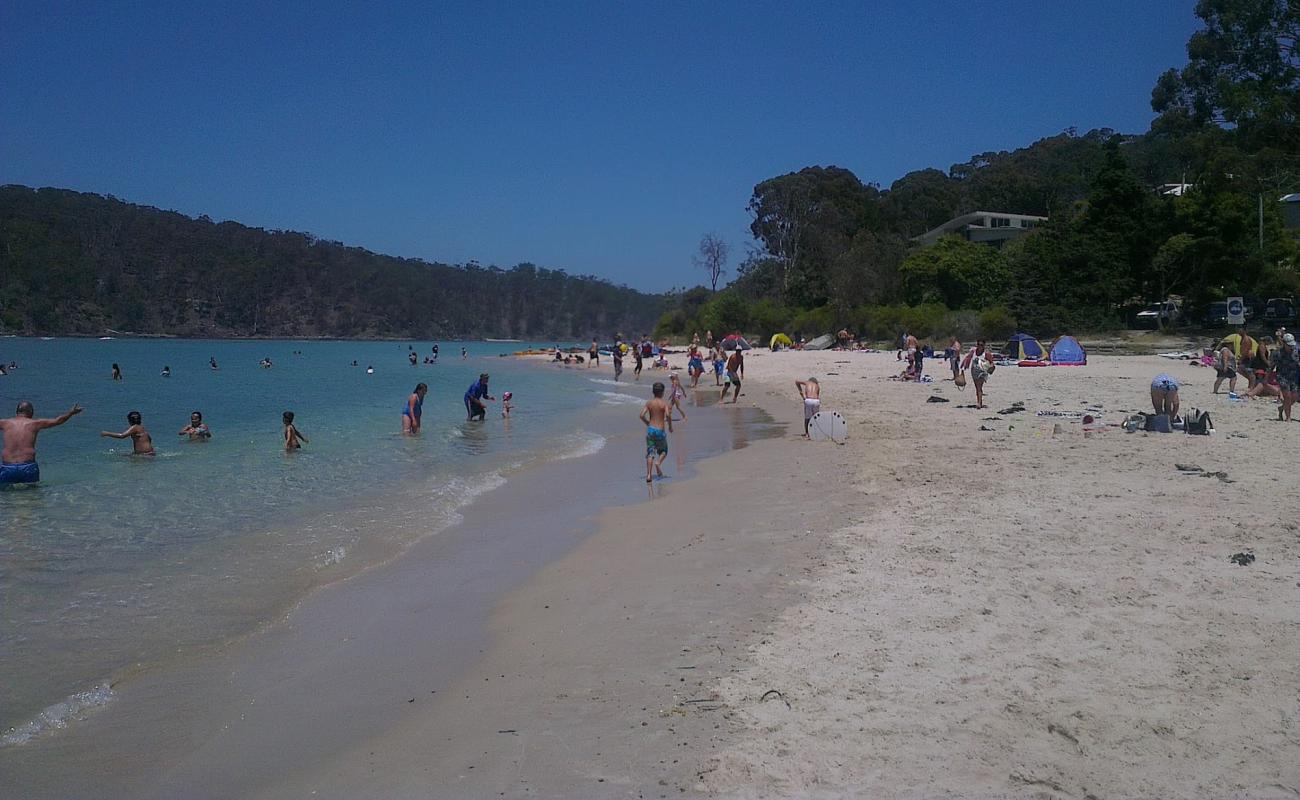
{"points": [[1198, 422], [960, 380]]}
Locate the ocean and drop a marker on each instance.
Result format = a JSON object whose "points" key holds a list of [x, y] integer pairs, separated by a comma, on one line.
{"points": [[116, 564]]}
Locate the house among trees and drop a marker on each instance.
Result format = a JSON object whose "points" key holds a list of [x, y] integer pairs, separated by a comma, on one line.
{"points": [[990, 227], [1291, 211]]}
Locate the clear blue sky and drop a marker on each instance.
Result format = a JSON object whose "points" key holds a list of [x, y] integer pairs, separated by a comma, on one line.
{"points": [[601, 138]]}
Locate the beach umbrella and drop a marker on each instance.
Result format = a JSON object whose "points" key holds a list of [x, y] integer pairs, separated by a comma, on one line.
{"points": [[779, 340], [735, 342]]}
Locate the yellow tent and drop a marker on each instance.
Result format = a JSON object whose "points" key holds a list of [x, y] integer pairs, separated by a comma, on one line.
{"points": [[780, 339]]}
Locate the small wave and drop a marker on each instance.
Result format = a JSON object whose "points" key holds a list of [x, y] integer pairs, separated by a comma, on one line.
{"points": [[619, 399], [587, 443], [608, 381], [329, 558], [58, 716]]}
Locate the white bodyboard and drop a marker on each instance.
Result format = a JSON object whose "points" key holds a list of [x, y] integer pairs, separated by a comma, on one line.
{"points": [[827, 425]]}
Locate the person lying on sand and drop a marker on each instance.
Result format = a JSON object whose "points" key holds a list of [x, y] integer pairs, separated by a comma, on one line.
{"points": [[811, 392]]}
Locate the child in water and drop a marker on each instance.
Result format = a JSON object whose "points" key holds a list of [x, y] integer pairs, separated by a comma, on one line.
{"points": [[141, 441], [293, 439], [506, 406]]}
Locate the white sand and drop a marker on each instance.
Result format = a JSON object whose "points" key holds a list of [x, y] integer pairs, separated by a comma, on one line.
{"points": [[1028, 614]]}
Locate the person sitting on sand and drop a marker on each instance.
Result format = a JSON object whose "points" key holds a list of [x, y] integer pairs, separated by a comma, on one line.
{"points": [[197, 430], [141, 441], [18, 457], [1225, 368], [677, 395], [658, 419], [1164, 395], [980, 363], [735, 373], [414, 409], [811, 392], [293, 438]]}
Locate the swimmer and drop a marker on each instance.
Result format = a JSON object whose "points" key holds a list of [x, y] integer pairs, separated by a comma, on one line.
{"points": [[657, 416], [117, 372], [811, 392], [413, 358], [167, 372], [293, 438], [18, 458], [212, 362], [141, 441], [197, 430], [414, 409], [370, 370]]}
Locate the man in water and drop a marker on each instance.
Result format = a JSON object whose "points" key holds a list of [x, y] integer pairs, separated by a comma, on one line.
{"points": [[212, 362], [735, 372], [141, 441], [474, 397], [413, 358], [197, 430], [657, 418], [811, 392], [18, 459]]}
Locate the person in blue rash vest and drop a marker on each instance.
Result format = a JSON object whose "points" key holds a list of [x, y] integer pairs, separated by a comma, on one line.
{"points": [[474, 397]]}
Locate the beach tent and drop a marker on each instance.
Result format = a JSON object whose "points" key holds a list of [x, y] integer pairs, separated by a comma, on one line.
{"points": [[1067, 351], [820, 343], [1023, 347], [780, 340], [735, 342]]}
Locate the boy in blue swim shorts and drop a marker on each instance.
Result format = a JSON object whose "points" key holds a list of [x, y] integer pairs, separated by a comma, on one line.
{"points": [[658, 422]]}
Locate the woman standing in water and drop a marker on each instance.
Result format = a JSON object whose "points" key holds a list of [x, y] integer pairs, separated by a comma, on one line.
{"points": [[414, 408]]}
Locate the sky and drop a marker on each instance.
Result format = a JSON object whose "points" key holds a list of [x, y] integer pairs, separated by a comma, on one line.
{"points": [[602, 138]]}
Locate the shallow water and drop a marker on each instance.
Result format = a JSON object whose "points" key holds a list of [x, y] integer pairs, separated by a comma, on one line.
{"points": [[115, 562]]}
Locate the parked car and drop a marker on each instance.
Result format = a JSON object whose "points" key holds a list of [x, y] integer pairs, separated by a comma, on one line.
{"points": [[1216, 314], [1159, 315], [1253, 307], [1279, 311]]}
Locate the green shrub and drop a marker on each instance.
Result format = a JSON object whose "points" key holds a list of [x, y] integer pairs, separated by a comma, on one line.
{"points": [[996, 323]]}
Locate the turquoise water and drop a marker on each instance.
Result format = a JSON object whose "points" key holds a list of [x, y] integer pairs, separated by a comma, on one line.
{"points": [[116, 562]]}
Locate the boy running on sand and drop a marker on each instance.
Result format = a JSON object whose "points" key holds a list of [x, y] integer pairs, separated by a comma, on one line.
{"points": [[293, 439], [735, 372], [656, 414], [811, 392], [141, 441]]}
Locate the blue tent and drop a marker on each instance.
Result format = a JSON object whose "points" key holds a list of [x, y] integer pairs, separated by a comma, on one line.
{"points": [[1067, 351], [1023, 347]]}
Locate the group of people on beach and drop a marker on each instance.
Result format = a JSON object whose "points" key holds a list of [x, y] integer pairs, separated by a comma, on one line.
{"points": [[1270, 365]]}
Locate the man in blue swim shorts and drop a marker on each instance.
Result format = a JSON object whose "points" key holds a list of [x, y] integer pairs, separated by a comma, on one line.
{"points": [[18, 457], [656, 417]]}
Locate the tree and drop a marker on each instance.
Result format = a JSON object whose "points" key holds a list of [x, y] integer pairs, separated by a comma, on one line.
{"points": [[1243, 72], [957, 273], [712, 258]]}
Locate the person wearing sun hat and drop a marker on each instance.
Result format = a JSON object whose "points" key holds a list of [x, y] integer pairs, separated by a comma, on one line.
{"points": [[1286, 360]]}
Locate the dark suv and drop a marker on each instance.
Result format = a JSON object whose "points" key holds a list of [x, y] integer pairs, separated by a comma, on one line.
{"points": [[1279, 311]]}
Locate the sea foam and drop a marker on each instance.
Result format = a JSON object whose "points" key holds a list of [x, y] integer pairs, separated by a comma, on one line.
{"points": [[58, 716]]}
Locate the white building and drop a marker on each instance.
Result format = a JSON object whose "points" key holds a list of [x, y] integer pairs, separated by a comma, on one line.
{"points": [[991, 227]]}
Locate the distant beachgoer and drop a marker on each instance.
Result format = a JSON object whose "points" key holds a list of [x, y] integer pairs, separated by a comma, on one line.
{"points": [[593, 354], [18, 458], [811, 392], [843, 339], [167, 372], [1164, 395], [980, 363], [506, 405], [618, 360], [212, 363], [197, 430], [1225, 368], [413, 358], [117, 372], [414, 408], [735, 373], [3, 371], [658, 419], [1287, 362], [293, 438], [639, 361], [954, 357], [464, 353], [141, 441], [695, 365], [474, 397], [370, 370], [435, 352], [677, 395], [719, 364], [708, 338]]}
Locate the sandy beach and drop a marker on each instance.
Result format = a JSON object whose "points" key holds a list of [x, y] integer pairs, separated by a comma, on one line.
{"points": [[954, 603]]}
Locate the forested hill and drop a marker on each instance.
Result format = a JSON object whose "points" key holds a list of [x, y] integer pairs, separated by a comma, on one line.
{"points": [[76, 263]]}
